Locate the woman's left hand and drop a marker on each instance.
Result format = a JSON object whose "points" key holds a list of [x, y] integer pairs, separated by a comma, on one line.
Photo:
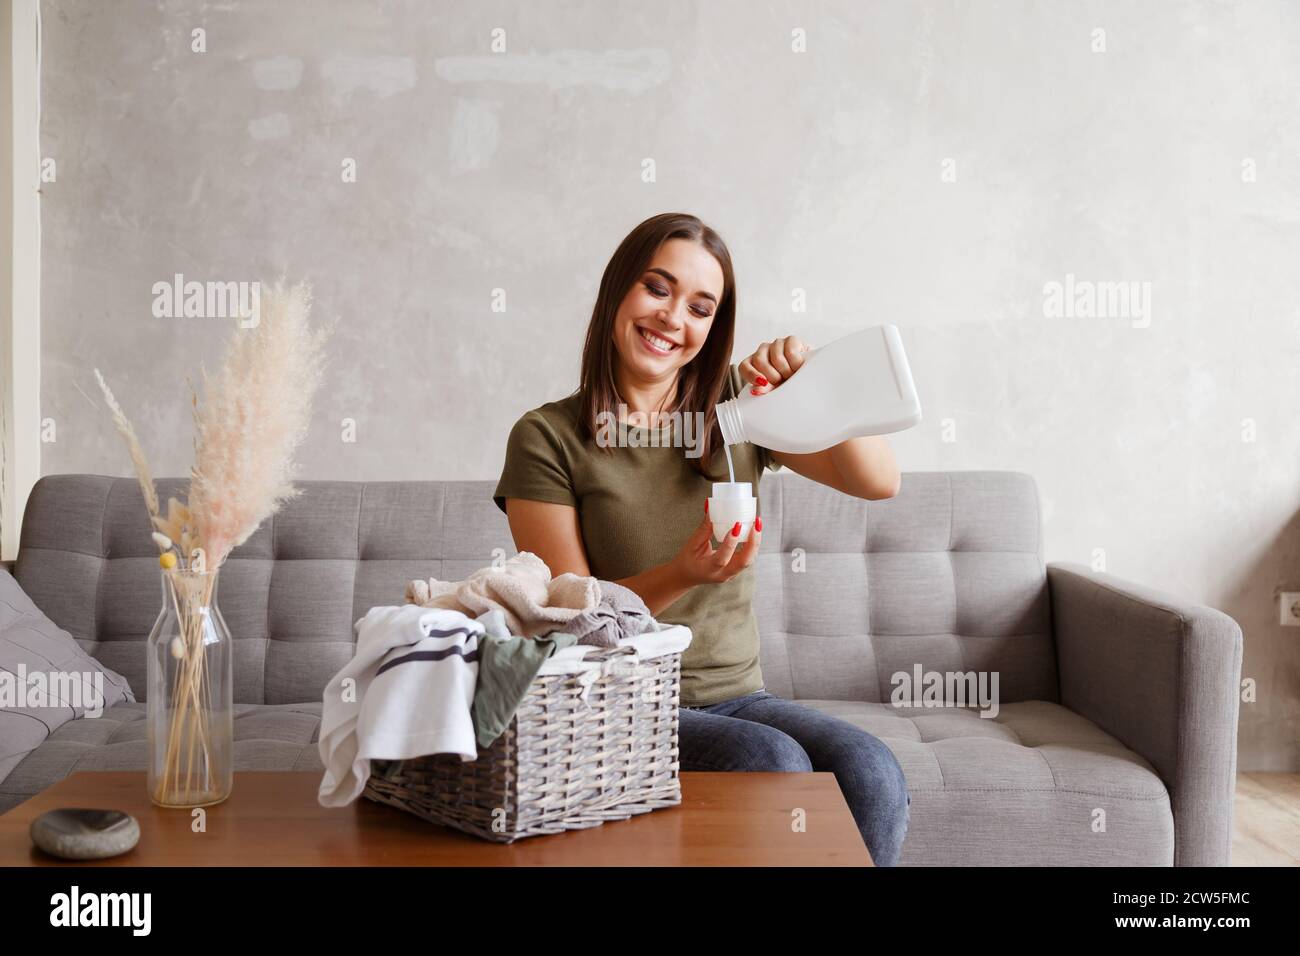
{"points": [[772, 363]]}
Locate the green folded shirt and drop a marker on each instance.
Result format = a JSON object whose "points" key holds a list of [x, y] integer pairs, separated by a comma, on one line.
{"points": [[506, 668]]}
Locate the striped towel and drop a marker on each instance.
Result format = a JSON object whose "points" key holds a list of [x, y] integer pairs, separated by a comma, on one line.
{"points": [[407, 692]]}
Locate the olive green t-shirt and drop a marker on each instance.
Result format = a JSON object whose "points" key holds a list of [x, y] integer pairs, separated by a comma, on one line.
{"points": [[636, 508]]}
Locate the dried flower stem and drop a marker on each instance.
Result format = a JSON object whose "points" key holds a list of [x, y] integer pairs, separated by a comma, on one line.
{"points": [[132, 446], [191, 695]]}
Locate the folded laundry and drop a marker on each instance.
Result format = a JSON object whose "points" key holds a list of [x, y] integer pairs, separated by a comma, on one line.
{"points": [[408, 691], [531, 601], [653, 642], [620, 614], [423, 681], [507, 665]]}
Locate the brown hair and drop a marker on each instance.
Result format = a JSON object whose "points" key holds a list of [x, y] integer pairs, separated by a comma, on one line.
{"points": [[701, 380]]}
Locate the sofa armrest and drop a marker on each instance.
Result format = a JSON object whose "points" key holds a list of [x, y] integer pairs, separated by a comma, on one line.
{"points": [[1162, 675]]}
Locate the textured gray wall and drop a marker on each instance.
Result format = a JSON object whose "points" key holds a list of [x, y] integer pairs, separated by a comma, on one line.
{"points": [[1164, 442]]}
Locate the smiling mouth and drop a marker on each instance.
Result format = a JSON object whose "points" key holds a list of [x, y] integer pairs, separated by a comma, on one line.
{"points": [[656, 344]]}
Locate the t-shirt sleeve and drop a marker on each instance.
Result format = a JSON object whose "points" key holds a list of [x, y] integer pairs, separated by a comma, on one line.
{"points": [[765, 460], [535, 466]]}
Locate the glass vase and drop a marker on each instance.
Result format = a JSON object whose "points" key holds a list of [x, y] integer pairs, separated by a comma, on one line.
{"points": [[190, 703]]}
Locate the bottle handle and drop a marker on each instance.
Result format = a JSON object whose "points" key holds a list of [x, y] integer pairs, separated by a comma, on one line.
{"points": [[807, 352]]}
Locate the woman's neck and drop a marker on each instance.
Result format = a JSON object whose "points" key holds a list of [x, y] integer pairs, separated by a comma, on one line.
{"points": [[646, 398]]}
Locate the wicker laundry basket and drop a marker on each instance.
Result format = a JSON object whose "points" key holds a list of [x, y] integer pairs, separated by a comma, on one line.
{"points": [[597, 743]]}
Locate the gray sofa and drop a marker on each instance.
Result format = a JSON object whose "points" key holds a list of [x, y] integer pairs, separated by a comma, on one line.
{"points": [[1114, 741]]}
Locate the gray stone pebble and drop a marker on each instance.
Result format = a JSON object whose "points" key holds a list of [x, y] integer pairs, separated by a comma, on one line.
{"points": [[78, 834]]}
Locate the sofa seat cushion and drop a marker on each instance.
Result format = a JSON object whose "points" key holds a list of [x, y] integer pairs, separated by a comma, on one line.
{"points": [[267, 737], [1036, 785]]}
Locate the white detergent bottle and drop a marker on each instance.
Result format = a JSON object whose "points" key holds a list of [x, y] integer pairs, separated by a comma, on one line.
{"points": [[857, 385]]}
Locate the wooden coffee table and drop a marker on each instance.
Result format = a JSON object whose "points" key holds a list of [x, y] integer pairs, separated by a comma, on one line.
{"points": [[274, 819]]}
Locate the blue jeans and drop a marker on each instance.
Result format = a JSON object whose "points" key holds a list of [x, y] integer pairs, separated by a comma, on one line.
{"points": [[761, 731]]}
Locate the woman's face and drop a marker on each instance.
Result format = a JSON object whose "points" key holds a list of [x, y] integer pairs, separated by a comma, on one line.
{"points": [[665, 317]]}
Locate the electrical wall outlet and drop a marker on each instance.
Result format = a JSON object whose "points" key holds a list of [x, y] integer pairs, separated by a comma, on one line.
{"points": [[1290, 608]]}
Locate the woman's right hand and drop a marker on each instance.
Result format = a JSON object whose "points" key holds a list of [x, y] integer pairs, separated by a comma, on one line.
{"points": [[699, 562]]}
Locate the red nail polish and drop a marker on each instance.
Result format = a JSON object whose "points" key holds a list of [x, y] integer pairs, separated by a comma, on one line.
{"points": [[758, 524], [760, 381], [735, 530], [706, 505], [754, 391]]}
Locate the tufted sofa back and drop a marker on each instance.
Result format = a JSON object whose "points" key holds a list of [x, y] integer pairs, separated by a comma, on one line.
{"points": [[948, 574]]}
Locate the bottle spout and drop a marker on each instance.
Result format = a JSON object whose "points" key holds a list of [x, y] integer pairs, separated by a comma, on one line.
{"points": [[730, 421]]}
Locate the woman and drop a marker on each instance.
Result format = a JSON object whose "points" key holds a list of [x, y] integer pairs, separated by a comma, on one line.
{"points": [[659, 342]]}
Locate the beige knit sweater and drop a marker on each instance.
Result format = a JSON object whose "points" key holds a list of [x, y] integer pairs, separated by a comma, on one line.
{"points": [[532, 601]]}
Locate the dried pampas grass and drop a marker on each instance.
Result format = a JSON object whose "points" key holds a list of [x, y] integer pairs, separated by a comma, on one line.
{"points": [[138, 459], [254, 414]]}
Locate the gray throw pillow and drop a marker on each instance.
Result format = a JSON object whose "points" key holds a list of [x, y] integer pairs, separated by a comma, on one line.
{"points": [[46, 679]]}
